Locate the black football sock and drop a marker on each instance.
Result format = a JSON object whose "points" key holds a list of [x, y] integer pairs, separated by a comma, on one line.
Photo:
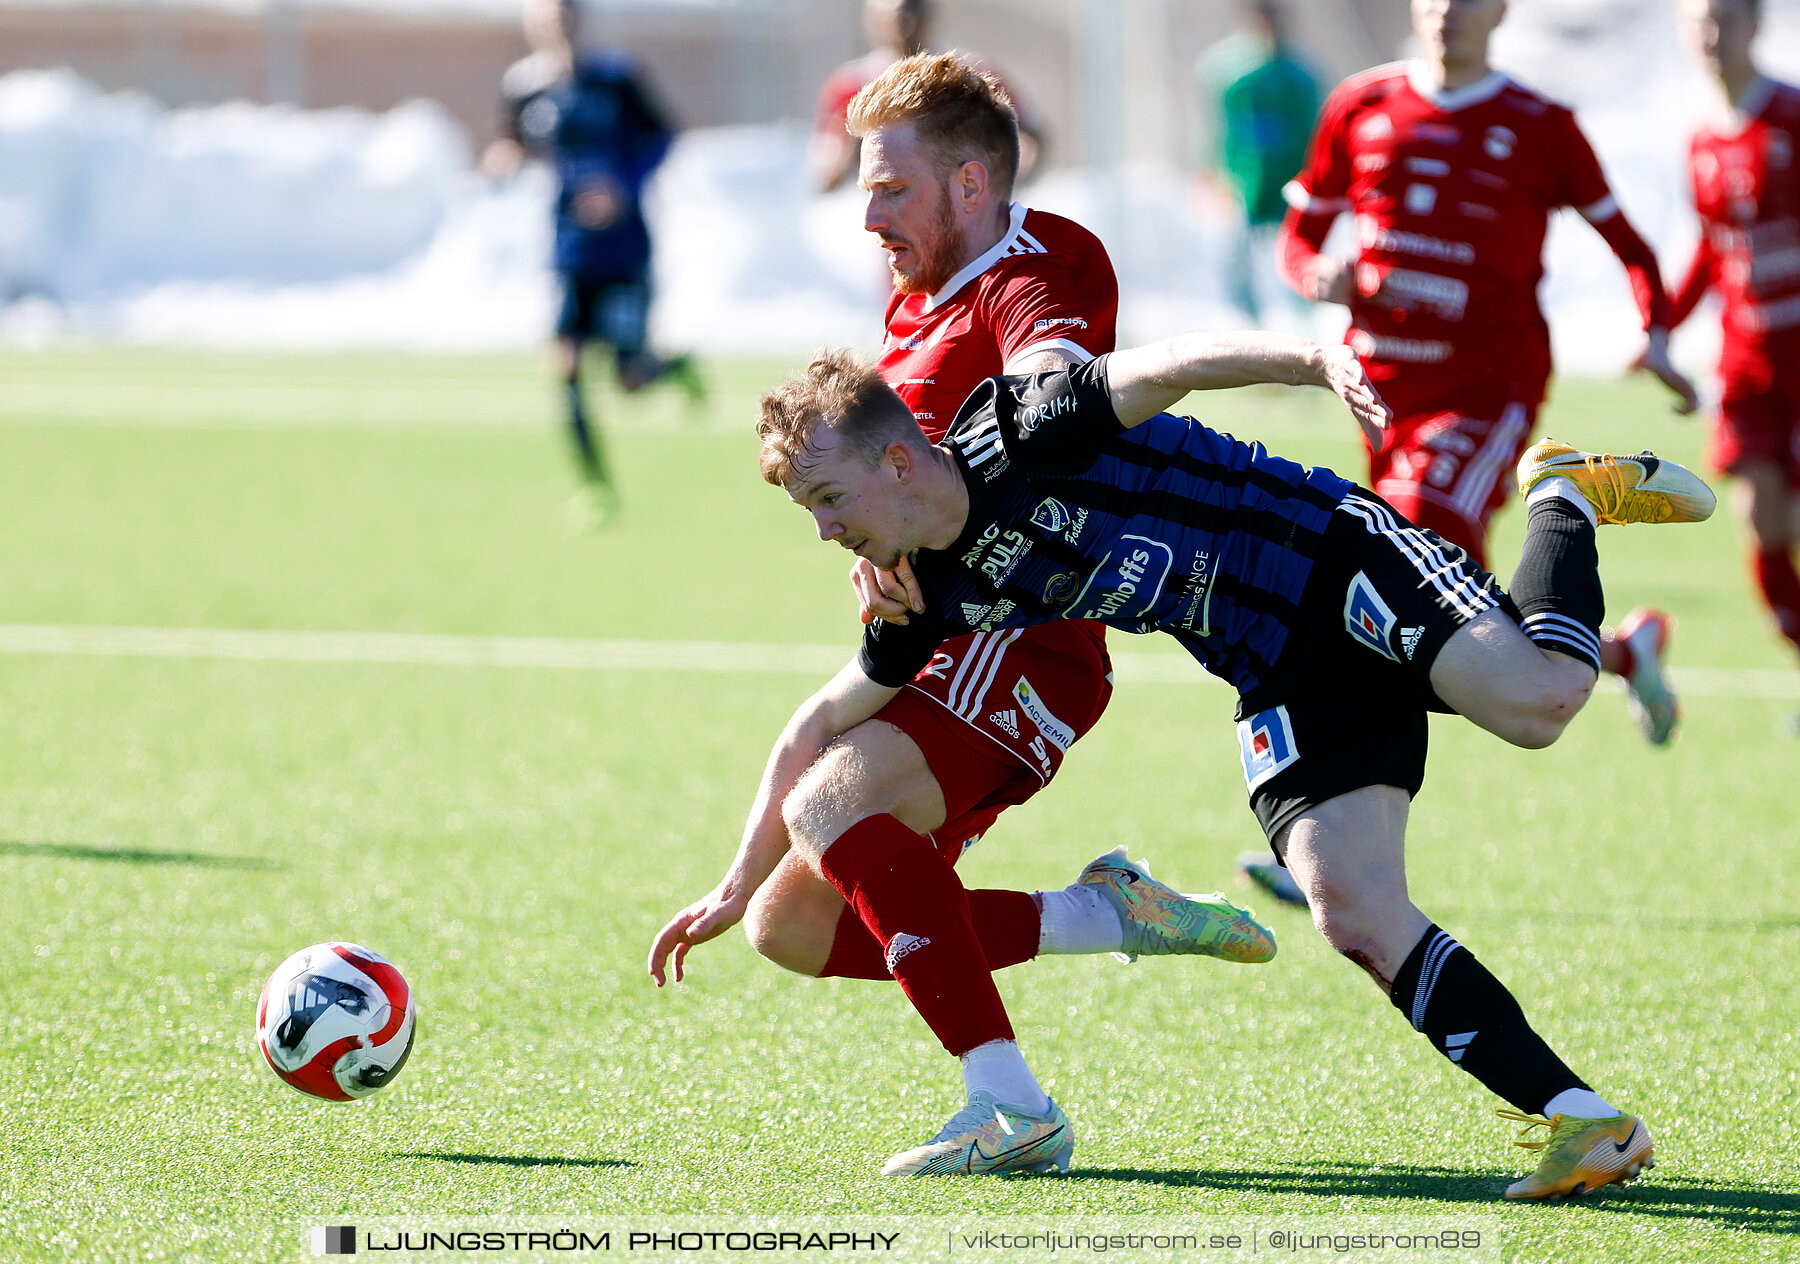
{"points": [[593, 467], [1557, 584], [1470, 1018]]}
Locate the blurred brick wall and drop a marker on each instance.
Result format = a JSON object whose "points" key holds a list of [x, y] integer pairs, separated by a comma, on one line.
{"points": [[750, 64]]}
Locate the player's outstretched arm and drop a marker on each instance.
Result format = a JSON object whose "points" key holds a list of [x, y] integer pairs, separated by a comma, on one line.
{"points": [[848, 699], [1655, 359], [1153, 378]]}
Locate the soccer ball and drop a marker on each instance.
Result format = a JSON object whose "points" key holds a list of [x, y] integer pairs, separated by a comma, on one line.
{"points": [[336, 1021]]}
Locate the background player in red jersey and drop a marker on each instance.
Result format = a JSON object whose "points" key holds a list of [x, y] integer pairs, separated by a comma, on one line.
{"points": [[1451, 170], [1747, 190], [895, 29], [981, 286]]}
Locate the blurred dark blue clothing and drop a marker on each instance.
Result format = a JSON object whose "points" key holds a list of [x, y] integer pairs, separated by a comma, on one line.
{"points": [[599, 129]]}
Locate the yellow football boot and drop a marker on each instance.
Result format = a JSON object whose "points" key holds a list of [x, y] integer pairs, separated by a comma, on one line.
{"points": [[1641, 488], [1581, 1155]]}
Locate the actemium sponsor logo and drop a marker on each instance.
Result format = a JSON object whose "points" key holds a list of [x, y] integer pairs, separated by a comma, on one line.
{"points": [[1058, 733]]}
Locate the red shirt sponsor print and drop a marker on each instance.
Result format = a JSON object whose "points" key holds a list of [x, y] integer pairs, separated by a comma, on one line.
{"points": [[1452, 194], [1047, 284], [1746, 182]]}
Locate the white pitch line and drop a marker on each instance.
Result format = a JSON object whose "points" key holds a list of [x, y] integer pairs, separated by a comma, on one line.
{"points": [[421, 649], [749, 657]]}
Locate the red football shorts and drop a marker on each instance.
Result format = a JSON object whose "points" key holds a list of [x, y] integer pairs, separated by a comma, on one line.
{"points": [[1449, 470], [994, 713], [1760, 423]]}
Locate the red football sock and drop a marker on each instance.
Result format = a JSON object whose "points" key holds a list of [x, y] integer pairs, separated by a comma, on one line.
{"points": [[1780, 587], [1007, 923], [910, 898]]}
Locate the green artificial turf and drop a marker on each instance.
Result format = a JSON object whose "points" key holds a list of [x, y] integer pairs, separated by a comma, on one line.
{"points": [[171, 828]]}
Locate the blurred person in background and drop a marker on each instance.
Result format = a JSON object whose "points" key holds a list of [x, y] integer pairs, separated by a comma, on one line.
{"points": [[982, 285], [1746, 186], [1261, 101], [587, 114], [1452, 170], [895, 29]]}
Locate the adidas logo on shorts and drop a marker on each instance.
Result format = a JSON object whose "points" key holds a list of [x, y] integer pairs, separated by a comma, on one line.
{"points": [[1409, 641], [1007, 720]]}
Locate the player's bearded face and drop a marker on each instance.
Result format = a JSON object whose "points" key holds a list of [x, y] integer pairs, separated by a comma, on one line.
{"points": [[934, 249]]}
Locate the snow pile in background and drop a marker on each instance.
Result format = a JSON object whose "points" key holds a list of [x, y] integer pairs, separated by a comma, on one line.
{"points": [[253, 226]]}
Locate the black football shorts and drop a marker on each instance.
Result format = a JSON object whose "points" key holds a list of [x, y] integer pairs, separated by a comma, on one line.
{"points": [[1346, 705]]}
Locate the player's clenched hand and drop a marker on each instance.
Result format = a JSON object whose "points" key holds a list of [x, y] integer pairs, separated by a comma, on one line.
{"points": [[887, 595], [1330, 279], [704, 919], [1345, 377], [1654, 358]]}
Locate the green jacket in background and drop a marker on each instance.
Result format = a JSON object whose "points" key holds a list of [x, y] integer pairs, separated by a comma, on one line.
{"points": [[1262, 104]]}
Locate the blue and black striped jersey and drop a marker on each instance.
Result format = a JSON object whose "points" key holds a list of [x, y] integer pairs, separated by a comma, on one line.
{"points": [[1169, 526]]}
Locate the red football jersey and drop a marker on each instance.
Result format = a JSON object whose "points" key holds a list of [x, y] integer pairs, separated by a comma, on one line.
{"points": [[1452, 193], [1747, 191], [1048, 283]]}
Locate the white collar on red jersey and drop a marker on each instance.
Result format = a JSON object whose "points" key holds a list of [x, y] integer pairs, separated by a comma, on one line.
{"points": [[1015, 241], [1755, 100], [1483, 89]]}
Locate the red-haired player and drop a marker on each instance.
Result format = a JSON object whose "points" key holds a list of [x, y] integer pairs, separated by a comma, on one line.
{"points": [[982, 286]]}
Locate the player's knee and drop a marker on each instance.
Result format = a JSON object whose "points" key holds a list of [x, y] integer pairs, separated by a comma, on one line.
{"points": [[792, 920], [773, 938], [1543, 708], [1337, 920], [1337, 912]]}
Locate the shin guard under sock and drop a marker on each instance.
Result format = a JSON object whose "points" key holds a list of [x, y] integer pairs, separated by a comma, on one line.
{"points": [[910, 898], [1470, 1018], [1557, 584], [1006, 924]]}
